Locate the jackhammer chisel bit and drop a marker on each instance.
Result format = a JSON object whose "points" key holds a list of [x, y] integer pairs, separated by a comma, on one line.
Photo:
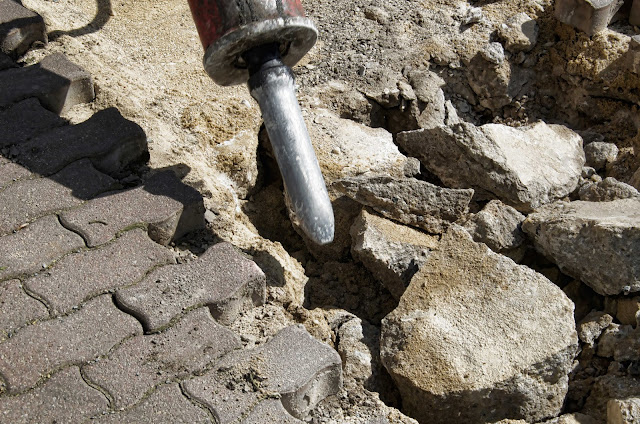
{"points": [[256, 41]]}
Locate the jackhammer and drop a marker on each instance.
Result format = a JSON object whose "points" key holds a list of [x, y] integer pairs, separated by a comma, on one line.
{"points": [[257, 41]]}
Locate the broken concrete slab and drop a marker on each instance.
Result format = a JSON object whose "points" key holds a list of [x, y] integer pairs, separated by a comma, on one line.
{"points": [[393, 253], [25, 120], [65, 397], [476, 329], [623, 411], [595, 242], [17, 307], [606, 190], [495, 160], [121, 142], [590, 16], [72, 340], [19, 28], [185, 349], [293, 366], [164, 205], [620, 342], [35, 247], [519, 32], [609, 387], [82, 275], [222, 278], [58, 83], [408, 200], [26, 200]]}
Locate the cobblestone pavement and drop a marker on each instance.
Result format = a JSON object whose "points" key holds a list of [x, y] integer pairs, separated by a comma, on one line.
{"points": [[98, 320]]}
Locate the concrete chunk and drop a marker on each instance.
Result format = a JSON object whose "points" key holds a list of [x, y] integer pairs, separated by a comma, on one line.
{"points": [[221, 278], [16, 307], [35, 247], [25, 120], [143, 362], [85, 274], [623, 411], [27, 200], [19, 28], [110, 141], [64, 398], [590, 16], [166, 206], [55, 81], [73, 339], [292, 365]]}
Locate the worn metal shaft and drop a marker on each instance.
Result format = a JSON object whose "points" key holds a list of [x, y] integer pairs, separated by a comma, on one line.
{"points": [[272, 85]]}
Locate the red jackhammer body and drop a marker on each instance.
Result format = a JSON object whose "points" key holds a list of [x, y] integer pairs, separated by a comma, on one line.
{"points": [[256, 41]]}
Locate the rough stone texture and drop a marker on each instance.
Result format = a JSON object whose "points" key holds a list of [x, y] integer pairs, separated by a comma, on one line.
{"points": [[11, 172], [292, 365], [606, 388], [25, 120], [623, 411], [606, 190], [24, 252], [620, 342], [393, 253], [628, 310], [222, 278], [143, 362], [16, 307], [478, 330], [167, 404], [121, 142], [590, 16], [576, 418], [58, 83], [64, 398], [498, 226], [85, 274], [592, 326], [598, 154], [27, 200], [73, 339], [495, 160], [519, 32], [345, 148], [595, 242], [19, 28], [407, 200], [165, 205]]}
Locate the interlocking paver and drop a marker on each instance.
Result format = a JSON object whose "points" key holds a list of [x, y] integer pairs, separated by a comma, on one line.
{"points": [[34, 247], [55, 81], [26, 200], [19, 28], [64, 398], [268, 412], [11, 172], [25, 120], [39, 349], [143, 362], [110, 141], [17, 307], [222, 278], [78, 276], [293, 366], [168, 207], [165, 405]]}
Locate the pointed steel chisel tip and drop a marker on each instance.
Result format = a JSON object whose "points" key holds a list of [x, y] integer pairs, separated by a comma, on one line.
{"points": [[272, 85]]}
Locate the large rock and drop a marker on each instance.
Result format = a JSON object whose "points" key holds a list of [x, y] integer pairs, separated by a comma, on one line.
{"points": [[606, 190], [498, 161], [478, 338], [393, 253], [408, 200], [595, 242]]}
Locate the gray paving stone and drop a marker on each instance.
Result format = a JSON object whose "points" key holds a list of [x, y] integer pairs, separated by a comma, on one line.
{"points": [[165, 205], [222, 278], [110, 141], [268, 412], [143, 362], [17, 307], [57, 82], [11, 172], [293, 366], [37, 350], [25, 120], [6, 62], [35, 247], [24, 201], [64, 398], [82, 275], [19, 28], [165, 405]]}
